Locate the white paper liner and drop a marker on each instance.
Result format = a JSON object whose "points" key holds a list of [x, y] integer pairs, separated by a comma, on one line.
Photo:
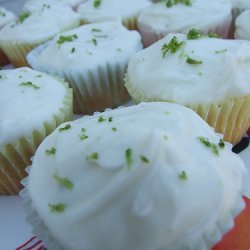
{"points": [[150, 36], [94, 90], [211, 236]]}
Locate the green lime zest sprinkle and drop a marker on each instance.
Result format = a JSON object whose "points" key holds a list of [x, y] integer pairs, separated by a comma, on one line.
{"points": [[29, 84], [212, 35], [38, 76], [172, 46], [193, 61], [50, 151], [205, 141], [66, 127], [63, 181], [83, 130], [94, 41], [2, 76], [97, 3], [170, 3], [101, 119], [22, 17], [73, 50], [93, 156], [57, 208], [119, 49], [221, 143], [220, 51], [144, 159], [165, 137], [83, 137], [114, 129], [96, 30], [183, 176], [3, 14], [62, 39], [128, 156], [194, 34], [110, 119]]}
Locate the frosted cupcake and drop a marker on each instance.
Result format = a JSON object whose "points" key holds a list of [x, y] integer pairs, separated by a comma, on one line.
{"points": [[93, 58], [163, 182], [33, 5], [242, 27], [209, 75], [180, 16], [32, 105], [127, 10], [5, 17], [32, 29]]}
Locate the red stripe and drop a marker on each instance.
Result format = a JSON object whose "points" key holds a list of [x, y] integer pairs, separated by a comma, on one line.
{"points": [[26, 243], [33, 246], [41, 248]]}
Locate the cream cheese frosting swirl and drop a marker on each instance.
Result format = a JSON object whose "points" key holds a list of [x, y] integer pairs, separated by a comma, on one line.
{"points": [[242, 26], [182, 17], [40, 25], [136, 178], [202, 70], [87, 47], [6, 16], [93, 11]]}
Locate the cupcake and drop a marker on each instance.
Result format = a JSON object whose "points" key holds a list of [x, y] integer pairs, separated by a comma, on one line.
{"points": [[165, 17], [209, 75], [32, 29], [33, 5], [32, 105], [163, 182], [242, 28], [5, 17], [93, 59], [127, 10]]}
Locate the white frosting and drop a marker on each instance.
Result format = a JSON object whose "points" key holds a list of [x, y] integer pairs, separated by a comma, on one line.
{"points": [[41, 25], [96, 44], [221, 75], [242, 26], [33, 5], [180, 17], [124, 9], [240, 4], [24, 109], [143, 206], [6, 16]]}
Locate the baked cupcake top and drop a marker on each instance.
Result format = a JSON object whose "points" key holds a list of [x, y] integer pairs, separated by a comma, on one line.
{"points": [[40, 25], [6, 16], [28, 99], [190, 69], [151, 176], [87, 47], [33, 5], [95, 10], [242, 26], [166, 16]]}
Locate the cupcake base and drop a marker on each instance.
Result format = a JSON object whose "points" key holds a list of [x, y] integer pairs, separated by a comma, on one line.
{"points": [[3, 59], [15, 157]]}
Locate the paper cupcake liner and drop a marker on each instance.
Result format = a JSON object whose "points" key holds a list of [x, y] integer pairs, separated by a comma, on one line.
{"points": [[3, 59], [230, 117], [130, 23], [150, 36], [16, 52], [15, 157], [211, 235], [93, 90]]}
